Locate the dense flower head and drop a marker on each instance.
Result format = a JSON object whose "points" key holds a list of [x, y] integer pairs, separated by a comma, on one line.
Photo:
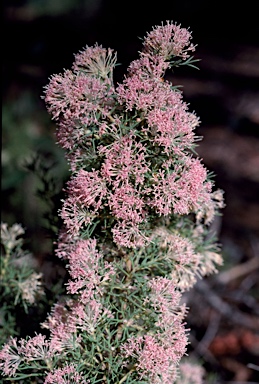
{"points": [[10, 358], [165, 296], [182, 190], [68, 320], [169, 40], [128, 235], [85, 191], [188, 263], [88, 188], [76, 97], [85, 270], [173, 128], [79, 103], [146, 93], [126, 205], [66, 375], [62, 326], [88, 274], [157, 356], [148, 66], [96, 61], [37, 347], [168, 121], [17, 352], [124, 161]]}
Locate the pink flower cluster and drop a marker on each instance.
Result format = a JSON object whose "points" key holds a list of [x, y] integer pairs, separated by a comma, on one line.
{"points": [[113, 136], [188, 264], [66, 375], [85, 270], [130, 152], [85, 194], [182, 190], [81, 98], [89, 274], [157, 355], [96, 61], [167, 121], [15, 353], [36, 349], [169, 40], [119, 185]]}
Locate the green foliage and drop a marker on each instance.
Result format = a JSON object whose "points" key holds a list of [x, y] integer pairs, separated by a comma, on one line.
{"points": [[20, 286]]}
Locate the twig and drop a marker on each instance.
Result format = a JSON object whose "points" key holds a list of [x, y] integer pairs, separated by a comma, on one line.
{"points": [[238, 271], [210, 332], [203, 351], [226, 310], [253, 366]]}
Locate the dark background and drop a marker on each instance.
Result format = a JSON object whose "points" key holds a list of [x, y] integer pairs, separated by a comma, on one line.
{"points": [[39, 38]]}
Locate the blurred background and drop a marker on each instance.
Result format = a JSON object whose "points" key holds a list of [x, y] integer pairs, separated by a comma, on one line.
{"points": [[40, 38]]}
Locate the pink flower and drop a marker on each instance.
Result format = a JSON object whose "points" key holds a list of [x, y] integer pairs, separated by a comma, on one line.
{"points": [[144, 94], [169, 40], [193, 185], [148, 66], [128, 235], [89, 316], [63, 243], [75, 216], [69, 319], [96, 61], [126, 205], [13, 354], [138, 93], [86, 192], [163, 192], [180, 191], [173, 127], [36, 348], [62, 326], [10, 357], [187, 264], [66, 375], [156, 356], [84, 268], [124, 161], [88, 188], [77, 101], [76, 97], [165, 297], [65, 135]]}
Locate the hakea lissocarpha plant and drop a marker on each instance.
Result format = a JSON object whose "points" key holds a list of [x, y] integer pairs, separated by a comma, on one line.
{"points": [[136, 216]]}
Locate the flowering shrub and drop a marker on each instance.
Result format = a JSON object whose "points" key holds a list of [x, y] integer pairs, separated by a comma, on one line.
{"points": [[135, 221]]}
